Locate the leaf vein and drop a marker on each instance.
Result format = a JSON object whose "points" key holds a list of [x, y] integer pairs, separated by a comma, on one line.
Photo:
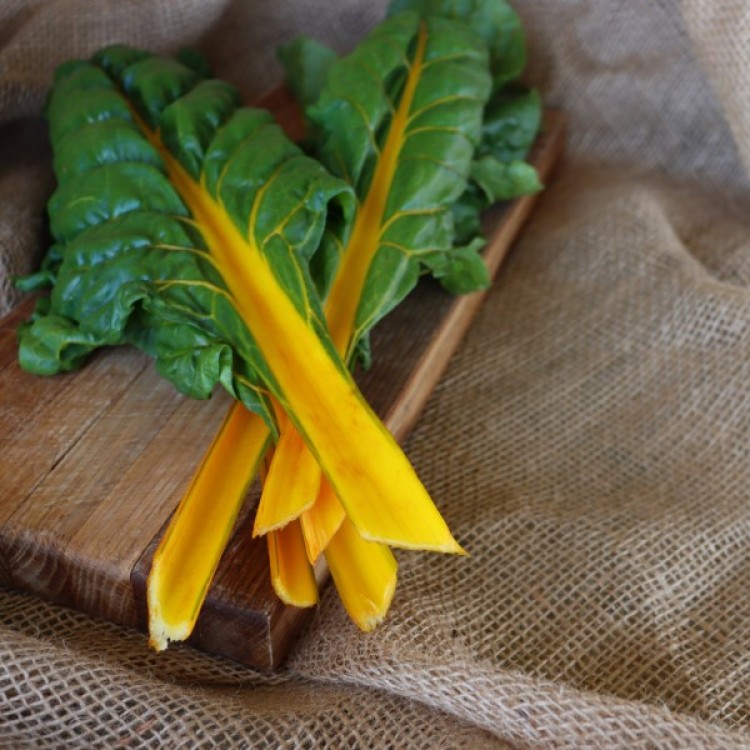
{"points": [[433, 160], [411, 252], [361, 112], [470, 55], [378, 81], [441, 129], [441, 102], [411, 212]]}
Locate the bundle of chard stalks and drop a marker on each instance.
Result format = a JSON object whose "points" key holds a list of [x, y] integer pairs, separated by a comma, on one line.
{"points": [[190, 227]]}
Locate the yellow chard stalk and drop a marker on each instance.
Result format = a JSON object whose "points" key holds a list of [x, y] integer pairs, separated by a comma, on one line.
{"points": [[379, 239], [196, 537], [367, 581], [364, 574], [291, 575], [324, 404], [322, 520], [201, 218]]}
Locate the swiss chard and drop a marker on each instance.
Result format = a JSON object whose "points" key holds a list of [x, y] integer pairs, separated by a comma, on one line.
{"points": [[190, 235], [511, 120], [356, 140], [192, 228], [362, 123], [400, 121]]}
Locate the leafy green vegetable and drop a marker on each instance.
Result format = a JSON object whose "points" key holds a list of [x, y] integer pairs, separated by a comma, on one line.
{"points": [[189, 234], [511, 122], [130, 265], [400, 119], [307, 64], [494, 21]]}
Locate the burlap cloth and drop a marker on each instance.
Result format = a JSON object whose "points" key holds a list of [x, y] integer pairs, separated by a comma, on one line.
{"points": [[590, 444]]}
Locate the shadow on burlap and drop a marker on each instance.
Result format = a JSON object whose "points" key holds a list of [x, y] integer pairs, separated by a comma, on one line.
{"points": [[588, 445]]}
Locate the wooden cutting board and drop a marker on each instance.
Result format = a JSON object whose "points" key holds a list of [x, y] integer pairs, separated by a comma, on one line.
{"points": [[93, 463]]}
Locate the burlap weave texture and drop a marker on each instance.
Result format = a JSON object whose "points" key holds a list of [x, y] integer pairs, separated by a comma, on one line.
{"points": [[589, 444]]}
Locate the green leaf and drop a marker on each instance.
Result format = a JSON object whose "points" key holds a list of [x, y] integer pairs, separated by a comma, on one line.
{"points": [[131, 265], [500, 180], [466, 214], [511, 123], [462, 271], [494, 21], [512, 120], [306, 66], [45, 276], [399, 119], [51, 344]]}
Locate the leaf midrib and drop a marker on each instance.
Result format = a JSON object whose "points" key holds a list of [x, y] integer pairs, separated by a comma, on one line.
{"points": [[346, 291]]}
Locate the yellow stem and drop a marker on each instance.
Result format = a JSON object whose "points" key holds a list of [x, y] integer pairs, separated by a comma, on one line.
{"points": [[189, 552], [346, 290], [370, 474], [365, 575], [416, 524], [290, 489], [291, 573], [321, 521]]}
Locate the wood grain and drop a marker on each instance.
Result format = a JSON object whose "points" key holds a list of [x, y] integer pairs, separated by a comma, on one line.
{"points": [[93, 463]]}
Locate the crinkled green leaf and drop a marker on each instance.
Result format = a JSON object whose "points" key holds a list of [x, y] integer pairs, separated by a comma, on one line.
{"points": [[202, 261], [130, 264], [400, 119], [494, 21], [462, 271], [52, 343], [512, 121], [306, 65], [501, 180], [466, 214]]}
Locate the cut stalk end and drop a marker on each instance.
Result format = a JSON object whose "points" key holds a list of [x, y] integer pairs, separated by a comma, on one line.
{"points": [[291, 485], [365, 574], [188, 554], [292, 576], [161, 632], [321, 522]]}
